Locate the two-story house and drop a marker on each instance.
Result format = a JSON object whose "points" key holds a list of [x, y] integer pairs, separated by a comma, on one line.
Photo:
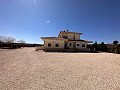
{"points": [[66, 41]]}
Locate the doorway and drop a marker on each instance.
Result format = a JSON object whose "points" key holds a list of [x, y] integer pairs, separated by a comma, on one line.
{"points": [[74, 45], [65, 45]]}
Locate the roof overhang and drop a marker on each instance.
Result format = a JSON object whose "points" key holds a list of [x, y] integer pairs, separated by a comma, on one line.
{"points": [[70, 32], [81, 41], [89, 41], [53, 38]]}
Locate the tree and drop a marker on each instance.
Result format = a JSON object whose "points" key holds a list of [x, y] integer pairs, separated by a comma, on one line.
{"points": [[10, 41], [95, 46], [115, 42], [3, 41], [103, 47], [2, 38], [22, 42]]}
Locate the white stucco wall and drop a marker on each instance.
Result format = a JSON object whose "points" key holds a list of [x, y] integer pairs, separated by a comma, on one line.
{"points": [[53, 42], [71, 44], [77, 42], [64, 34], [70, 36], [77, 36], [60, 35], [80, 45]]}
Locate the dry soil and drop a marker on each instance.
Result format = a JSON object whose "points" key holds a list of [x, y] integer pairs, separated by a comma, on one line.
{"points": [[27, 69]]}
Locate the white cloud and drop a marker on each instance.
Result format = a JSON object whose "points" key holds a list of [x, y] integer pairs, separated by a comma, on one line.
{"points": [[48, 21], [35, 2]]}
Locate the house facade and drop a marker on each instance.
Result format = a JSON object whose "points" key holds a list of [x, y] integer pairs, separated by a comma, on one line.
{"points": [[66, 41]]}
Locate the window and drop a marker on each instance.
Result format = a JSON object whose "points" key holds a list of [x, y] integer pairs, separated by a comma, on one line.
{"points": [[63, 36], [66, 37], [70, 44], [49, 44], [77, 44], [83, 45], [56, 45]]}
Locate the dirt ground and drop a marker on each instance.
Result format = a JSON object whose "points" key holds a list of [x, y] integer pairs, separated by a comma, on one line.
{"points": [[27, 69]]}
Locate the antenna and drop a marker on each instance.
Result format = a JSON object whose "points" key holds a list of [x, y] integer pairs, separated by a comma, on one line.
{"points": [[67, 27]]}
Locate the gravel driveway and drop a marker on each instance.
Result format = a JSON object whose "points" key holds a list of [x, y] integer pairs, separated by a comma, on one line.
{"points": [[27, 69]]}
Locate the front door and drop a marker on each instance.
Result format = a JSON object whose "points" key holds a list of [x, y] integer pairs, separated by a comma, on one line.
{"points": [[65, 45], [74, 45]]}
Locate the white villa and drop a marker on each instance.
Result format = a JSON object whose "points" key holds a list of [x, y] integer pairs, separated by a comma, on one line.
{"points": [[66, 41]]}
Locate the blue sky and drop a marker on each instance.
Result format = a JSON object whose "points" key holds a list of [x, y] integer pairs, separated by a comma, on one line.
{"points": [[98, 20]]}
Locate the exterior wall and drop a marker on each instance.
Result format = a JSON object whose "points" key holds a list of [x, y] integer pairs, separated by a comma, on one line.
{"points": [[71, 47], [71, 36], [64, 34], [60, 35], [80, 45], [61, 45], [53, 43], [77, 36], [77, 47]]}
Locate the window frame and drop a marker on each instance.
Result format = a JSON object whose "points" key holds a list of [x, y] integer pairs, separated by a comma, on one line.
{"points": [[56, 45], [65, 37], [49, 44], [83, 45], [78, 44]]}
